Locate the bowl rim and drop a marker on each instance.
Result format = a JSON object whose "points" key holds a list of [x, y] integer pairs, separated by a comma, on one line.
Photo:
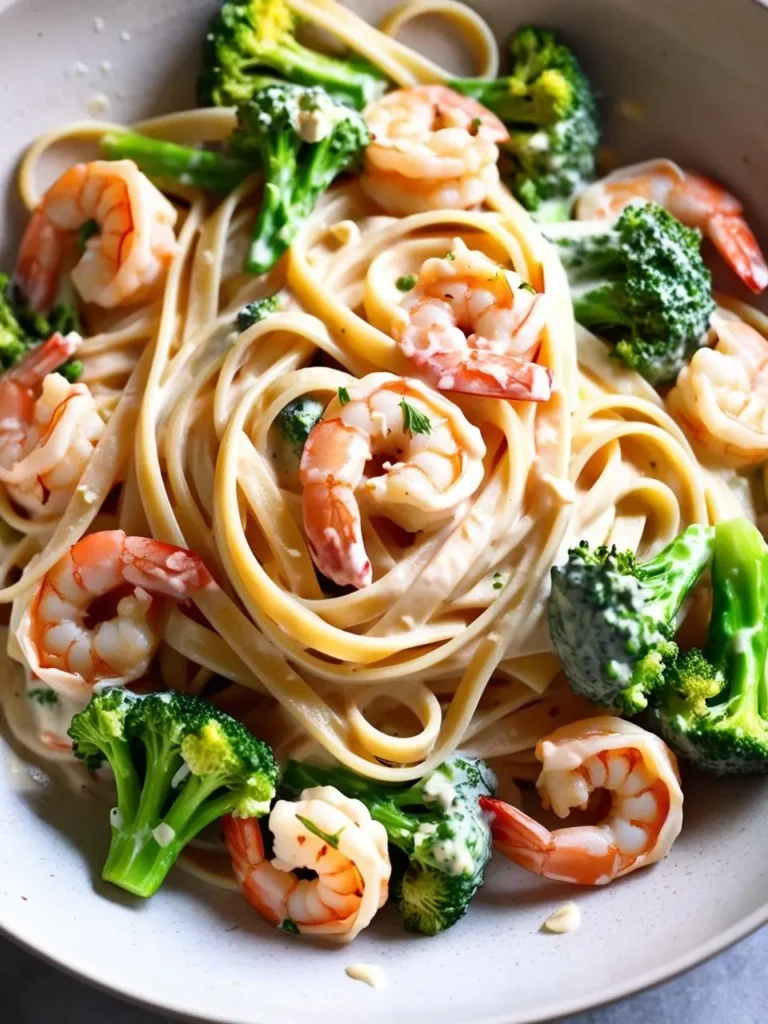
{"points": [[553, 1012]]}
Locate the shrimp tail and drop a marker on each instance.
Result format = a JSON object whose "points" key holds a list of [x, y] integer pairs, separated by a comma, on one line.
{"points": [[518, 836], [334, 533], [736, 243], [44, 359], [163, 568]]}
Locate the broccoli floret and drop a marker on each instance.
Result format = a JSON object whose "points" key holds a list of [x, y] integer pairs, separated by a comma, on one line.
{"points": [[169, 161], [302, 139], [249, 37], [642, 283], [714, 707], [179, 763], [436, 822], [14, 340], [256, 311], [21, 329], [612, 619], [296, 420], [548, 106]]}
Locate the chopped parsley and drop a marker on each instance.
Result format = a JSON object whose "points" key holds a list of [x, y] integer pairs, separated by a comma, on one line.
{"points": [[525, 287], [344, 396], [332, 840], [414, 422], [406, 282], [498, 582], [289, 926], [450, 255], [43, 695], [256, 311]]}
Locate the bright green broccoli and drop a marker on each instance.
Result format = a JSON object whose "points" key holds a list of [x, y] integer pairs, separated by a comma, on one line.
{"points": [[297, 419], [14, 340], [643, 284], [179, 763], [436, 822], [612, 618], [547, 103], [302, 139], [169, 161], [256, 311], [21, 329], [714, 707], [249, 37]]}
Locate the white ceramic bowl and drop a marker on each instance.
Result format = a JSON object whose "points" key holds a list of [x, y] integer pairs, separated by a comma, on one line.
{"points": [[698, 67]]}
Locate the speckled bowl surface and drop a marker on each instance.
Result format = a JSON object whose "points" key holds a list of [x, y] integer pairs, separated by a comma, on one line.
{"points": [[698, 68]]}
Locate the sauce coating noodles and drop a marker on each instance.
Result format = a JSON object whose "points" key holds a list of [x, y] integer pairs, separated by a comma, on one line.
{"points": [[448, 647]]}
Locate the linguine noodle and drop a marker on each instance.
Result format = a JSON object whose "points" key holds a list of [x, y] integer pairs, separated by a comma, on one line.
{"points": [[448, 648]]}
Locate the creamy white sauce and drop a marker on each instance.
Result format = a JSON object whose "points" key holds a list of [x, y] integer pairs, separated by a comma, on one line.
{"points": [[566, 918], [181, 775], [97, 104], [369, 974], [163, 834], [440, 789]]}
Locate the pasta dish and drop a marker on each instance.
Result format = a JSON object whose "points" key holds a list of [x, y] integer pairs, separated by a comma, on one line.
{"points": [[372, 447]]}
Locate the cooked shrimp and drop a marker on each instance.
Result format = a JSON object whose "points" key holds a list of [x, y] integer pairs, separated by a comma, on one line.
{"points": [[126, 257], [46, 439], [640, 774], [721, 396], [470, 325], [436, 463], [694, 200], [59, 642], [329, 834], [432, 149]]}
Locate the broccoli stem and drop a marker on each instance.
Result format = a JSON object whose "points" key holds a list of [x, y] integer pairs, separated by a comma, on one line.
{"points": [[216, 172], [508, 100], [355, 82], [673, 572], [277, 220], [737, 641], [136, 861], [127, 779]]}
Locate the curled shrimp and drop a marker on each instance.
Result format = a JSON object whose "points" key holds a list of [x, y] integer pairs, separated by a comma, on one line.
{"points": [[696, 201], [469, 325], [435, 462], [640, 774], [432, 149], [721, 396], [325, 832], [126, 257], [60, 644], [48, 429]]}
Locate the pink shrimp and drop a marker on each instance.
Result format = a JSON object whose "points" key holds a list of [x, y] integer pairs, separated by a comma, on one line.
{"points": [[640, 774], [352, 874], [46, 439], [431, 149], [721, 396], [69, 653], [471, 326], [436, 463], [126, 257], [691, 198]]}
